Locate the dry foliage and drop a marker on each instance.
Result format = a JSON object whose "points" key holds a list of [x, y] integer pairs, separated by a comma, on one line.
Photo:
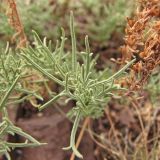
{"points": [[15, 22], [142, 40]]}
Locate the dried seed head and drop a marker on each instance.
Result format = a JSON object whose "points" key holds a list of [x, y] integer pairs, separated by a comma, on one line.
{"points": [[142, 40]]}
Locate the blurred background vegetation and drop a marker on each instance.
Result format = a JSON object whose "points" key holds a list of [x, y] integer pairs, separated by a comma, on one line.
{"points": [[100, 19]]}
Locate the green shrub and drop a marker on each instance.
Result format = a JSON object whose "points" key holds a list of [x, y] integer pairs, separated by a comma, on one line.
{"points": [[153, 87], [11, 72], [75, 72]]}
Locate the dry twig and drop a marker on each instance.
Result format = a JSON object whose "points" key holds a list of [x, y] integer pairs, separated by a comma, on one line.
{"points": [[15, 22]]}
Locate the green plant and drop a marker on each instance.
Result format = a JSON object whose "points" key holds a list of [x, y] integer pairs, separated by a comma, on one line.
{"points": [[153, 86], [103, 18], [10, 87], [76, 74], [109, 18], [35, 15], [27, 9]]}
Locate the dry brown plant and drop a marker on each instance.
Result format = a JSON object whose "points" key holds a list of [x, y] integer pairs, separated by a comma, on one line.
{"points": [[16, 24], [142, 41]]}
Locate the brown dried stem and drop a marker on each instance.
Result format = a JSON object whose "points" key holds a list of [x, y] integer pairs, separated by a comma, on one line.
{"points": [[15, 22]]}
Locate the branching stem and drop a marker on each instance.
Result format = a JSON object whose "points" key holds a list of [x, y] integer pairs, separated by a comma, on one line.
{"points": [[73, 136]]}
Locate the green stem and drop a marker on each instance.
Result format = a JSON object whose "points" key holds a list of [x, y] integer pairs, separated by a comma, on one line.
{"points": [[62, 46], [117, 74], [7, 156], [51, 101], [8, 93], [27, 136], [73, 136], [19, 145], [73, 37], [40, 69], [88, 57]]}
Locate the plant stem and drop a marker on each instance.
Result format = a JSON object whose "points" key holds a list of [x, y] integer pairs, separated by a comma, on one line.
{"points": [[73, 136], [80, 136], [8, 93], [15, 22], [73, 37], [116, 74]]}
